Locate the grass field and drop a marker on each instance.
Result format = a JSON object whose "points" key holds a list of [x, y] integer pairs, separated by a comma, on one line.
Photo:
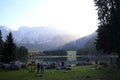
{"points": [[77, 73]]}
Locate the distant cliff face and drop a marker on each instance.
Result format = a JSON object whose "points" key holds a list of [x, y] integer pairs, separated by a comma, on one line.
{"points": [[40, 38]]}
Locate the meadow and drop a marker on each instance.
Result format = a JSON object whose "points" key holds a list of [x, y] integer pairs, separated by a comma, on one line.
{"points": [[76, 73]]}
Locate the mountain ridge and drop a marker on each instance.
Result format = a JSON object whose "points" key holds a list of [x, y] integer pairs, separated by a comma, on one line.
{"points": [[84, 42], [40, 38]]}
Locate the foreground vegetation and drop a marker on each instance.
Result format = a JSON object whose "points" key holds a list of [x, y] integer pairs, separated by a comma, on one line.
{"points": [[77, 73]]}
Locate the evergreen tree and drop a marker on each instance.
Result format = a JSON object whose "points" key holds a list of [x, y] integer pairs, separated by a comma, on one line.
{"points": [[9, 51], [1, 45], [22, 54], [108, 39]]}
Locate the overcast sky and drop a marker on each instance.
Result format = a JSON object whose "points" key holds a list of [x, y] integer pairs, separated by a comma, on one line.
{"points": [[77, 16]]}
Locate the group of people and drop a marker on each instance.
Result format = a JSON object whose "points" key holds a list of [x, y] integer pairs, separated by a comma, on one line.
{"points": [[39, 67]]}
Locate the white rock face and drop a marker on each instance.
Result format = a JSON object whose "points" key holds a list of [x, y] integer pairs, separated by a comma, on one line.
{"points": [[43, 37]]}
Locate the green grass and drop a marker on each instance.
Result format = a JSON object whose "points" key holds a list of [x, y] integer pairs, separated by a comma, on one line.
{"points": [[77, 73]]}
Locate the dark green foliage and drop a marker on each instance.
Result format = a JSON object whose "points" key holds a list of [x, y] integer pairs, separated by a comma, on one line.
{"points": [[55, 59], [1, 46], [22, 54], [9, 51], [1, 43], [108, 39], [56, 53], [83, 52]]}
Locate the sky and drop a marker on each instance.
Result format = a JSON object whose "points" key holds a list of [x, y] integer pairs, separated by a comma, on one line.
{"points": [[75, 16]]}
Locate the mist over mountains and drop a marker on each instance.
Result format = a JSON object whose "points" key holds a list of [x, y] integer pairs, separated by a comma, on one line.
{"points": [[49, 38], [81, 43]]}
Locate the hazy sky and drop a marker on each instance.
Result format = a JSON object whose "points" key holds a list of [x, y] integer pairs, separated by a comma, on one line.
{"points": [[77, 16]]}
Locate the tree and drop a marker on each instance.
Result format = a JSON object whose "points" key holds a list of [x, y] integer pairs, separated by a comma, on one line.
{"points": [[108, 39], [1, 45], [22, 54], [9, 51]]}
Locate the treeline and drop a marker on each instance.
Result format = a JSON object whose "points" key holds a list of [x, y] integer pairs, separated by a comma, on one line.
{"points": [[89, 52], [64, 52], [9, 52], [55, 53]]}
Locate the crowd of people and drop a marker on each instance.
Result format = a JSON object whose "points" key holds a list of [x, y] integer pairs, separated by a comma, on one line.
{"points": [[40, 67]]}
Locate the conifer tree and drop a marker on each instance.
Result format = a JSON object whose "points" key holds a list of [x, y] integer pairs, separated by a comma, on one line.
{"points": [[9, 51], [108, 39], [22, 54], [1, 45]]}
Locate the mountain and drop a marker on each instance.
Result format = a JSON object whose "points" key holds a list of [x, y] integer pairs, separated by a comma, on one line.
{"points": [[82, 43], [90, 43], [35, 34], [50, 38], [5, 30], [40, 38]]}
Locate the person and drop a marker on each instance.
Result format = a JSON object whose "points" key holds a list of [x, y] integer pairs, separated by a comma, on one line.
{"points": [[38, 67], [62, 63], [88, 61], [118, 63], [96, 62], [42, 68], [34, 67]]}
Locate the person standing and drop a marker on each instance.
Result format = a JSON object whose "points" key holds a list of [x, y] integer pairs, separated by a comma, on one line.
{"points": [[62, 64], [38, 67], [42, 68]]}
